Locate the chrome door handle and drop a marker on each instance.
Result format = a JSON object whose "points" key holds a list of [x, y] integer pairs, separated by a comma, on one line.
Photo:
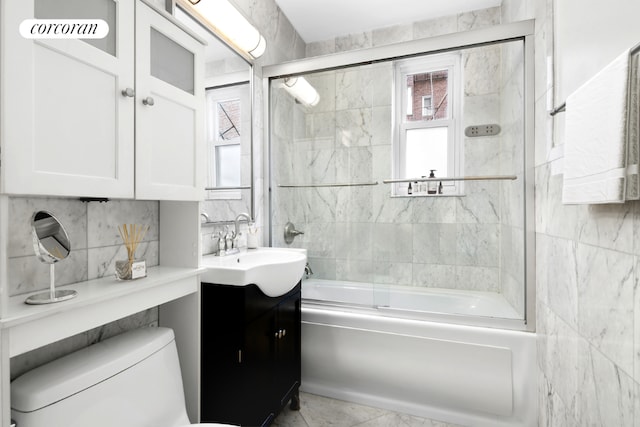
{"points": [[128, 92], [148, 101]]}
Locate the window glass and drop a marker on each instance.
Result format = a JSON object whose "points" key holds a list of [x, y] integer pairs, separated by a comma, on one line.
{"points": [[426, 149], [171, 62], [83, 9], [228, 165], [429, 93], [228, 120]]}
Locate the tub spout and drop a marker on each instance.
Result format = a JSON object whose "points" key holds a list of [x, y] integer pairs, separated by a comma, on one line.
{"points": [[307, 270]]}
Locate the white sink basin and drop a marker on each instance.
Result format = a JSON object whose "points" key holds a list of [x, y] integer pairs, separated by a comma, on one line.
{"points": [[274, 270]]}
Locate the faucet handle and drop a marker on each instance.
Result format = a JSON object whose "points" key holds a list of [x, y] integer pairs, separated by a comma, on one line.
{"points": [[290, 233]]}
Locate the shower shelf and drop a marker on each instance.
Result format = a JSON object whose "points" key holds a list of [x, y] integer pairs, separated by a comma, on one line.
{"points": [[454, 178], [344, 184], [241, 187]]}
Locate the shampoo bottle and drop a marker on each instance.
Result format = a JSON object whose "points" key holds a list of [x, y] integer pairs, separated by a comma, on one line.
{"points": [[432, 186]]}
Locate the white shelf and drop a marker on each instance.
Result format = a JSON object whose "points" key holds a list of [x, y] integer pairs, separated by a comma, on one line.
{"points": [[99, 301]]}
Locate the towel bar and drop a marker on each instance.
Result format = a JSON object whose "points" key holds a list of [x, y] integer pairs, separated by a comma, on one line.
{"points": [[344, 184]]}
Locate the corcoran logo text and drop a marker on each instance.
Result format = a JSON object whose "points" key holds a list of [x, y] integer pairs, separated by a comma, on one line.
{"points": [[64, 29]]}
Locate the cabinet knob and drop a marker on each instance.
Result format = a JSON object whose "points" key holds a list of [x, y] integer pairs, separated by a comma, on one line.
{"points": [[128, 92], [284, 332], [148, 101]]}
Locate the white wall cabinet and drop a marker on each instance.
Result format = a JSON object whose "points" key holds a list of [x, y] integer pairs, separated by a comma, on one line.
{"points": [[68, 125], [170, 155]]}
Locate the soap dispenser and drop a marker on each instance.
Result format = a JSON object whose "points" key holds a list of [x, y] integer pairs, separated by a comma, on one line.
{"points": [[432, 186]]}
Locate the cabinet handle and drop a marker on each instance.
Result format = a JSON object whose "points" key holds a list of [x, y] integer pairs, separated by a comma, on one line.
{"points": [[128, 92], [277, 334], [239, 356], [284, 332], [148, 101]]}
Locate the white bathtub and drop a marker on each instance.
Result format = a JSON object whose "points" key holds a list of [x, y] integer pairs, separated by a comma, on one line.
{"points": [[429, 300], [468, 375]]}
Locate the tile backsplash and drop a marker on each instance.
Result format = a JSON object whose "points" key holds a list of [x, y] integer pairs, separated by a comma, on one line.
{"points": [[93, 231], [95, 246]]}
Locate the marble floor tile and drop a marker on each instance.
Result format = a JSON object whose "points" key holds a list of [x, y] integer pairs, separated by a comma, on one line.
{"points": [[318, 411]]}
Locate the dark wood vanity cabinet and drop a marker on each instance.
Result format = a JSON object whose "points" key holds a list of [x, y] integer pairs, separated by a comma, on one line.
{"points": [[250, 364]]}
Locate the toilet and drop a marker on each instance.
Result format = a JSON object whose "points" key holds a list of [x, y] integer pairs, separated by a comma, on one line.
{"points": [[130, 380]]}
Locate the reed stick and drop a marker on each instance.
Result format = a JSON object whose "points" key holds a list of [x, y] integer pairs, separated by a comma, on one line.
{"points": [[132, 235]]}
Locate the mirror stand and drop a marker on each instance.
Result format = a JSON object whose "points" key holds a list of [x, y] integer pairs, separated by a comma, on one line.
{"points": [[52, 295], [51, 244]]}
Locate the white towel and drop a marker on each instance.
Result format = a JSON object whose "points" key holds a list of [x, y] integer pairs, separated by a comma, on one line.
{"points": [[601, 136]]}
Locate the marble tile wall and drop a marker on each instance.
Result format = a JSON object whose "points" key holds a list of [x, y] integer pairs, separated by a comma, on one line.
{"points": [[587, 264], [95, 246], [283, 44], [362, 233], [417, 30], [95, 241]]}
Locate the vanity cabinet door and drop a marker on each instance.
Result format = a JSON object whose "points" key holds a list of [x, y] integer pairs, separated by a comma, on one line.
{"points": [[169, 110], [288, 348], [67, 129]]}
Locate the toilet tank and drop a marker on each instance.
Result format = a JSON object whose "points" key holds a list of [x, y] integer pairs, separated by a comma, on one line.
{"points": [[131, 380]]}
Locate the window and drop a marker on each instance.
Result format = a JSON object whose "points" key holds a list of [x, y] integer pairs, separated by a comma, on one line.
{"points": [[426, 136], [224, 139], [427, 110]]}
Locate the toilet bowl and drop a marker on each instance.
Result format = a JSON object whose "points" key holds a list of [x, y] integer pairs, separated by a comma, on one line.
{"points": [[131, 380]]}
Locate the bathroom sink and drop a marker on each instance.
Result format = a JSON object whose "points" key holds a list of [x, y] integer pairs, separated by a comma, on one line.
{"points": [[274, 270]]}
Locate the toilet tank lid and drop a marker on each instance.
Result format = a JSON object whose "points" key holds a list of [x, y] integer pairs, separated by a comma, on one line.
{"points": [[80, 370]]}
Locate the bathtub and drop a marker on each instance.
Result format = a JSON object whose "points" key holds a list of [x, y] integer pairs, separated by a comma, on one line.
{"points": [[467, 375], [410, 299]]}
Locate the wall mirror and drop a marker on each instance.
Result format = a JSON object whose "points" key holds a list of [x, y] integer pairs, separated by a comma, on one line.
{"points": [[51, 244], [229, 109]]}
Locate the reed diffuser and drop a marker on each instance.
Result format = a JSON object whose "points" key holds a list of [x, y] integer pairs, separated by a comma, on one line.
{"points": [[131, 268]]}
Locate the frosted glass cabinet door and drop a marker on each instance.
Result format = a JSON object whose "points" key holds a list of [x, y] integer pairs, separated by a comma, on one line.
{"points": [[170, 155], [67, 128]]}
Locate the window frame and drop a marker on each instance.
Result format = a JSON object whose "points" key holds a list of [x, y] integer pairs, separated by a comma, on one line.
{"points": [[213, 97], [455, 149]]}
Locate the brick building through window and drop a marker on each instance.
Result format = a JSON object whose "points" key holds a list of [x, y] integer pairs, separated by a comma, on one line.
{"points": [[428, 95]]}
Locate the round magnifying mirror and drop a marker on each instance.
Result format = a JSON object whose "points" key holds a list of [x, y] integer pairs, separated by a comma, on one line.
{"points": [[51, 244]]}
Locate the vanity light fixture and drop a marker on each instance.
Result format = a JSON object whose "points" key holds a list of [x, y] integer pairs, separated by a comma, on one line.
{"points": [[302, 90], [230, 24]]}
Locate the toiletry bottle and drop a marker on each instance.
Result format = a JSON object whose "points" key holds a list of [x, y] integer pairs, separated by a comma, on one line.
{"points": [[423, 186], [432, 187], [440, 188], [252, 237], [221, 245], [409, 190]]}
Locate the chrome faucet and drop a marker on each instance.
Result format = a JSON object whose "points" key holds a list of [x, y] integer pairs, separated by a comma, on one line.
{"points": [[237, 221], [205, 216], [307, 270]]}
